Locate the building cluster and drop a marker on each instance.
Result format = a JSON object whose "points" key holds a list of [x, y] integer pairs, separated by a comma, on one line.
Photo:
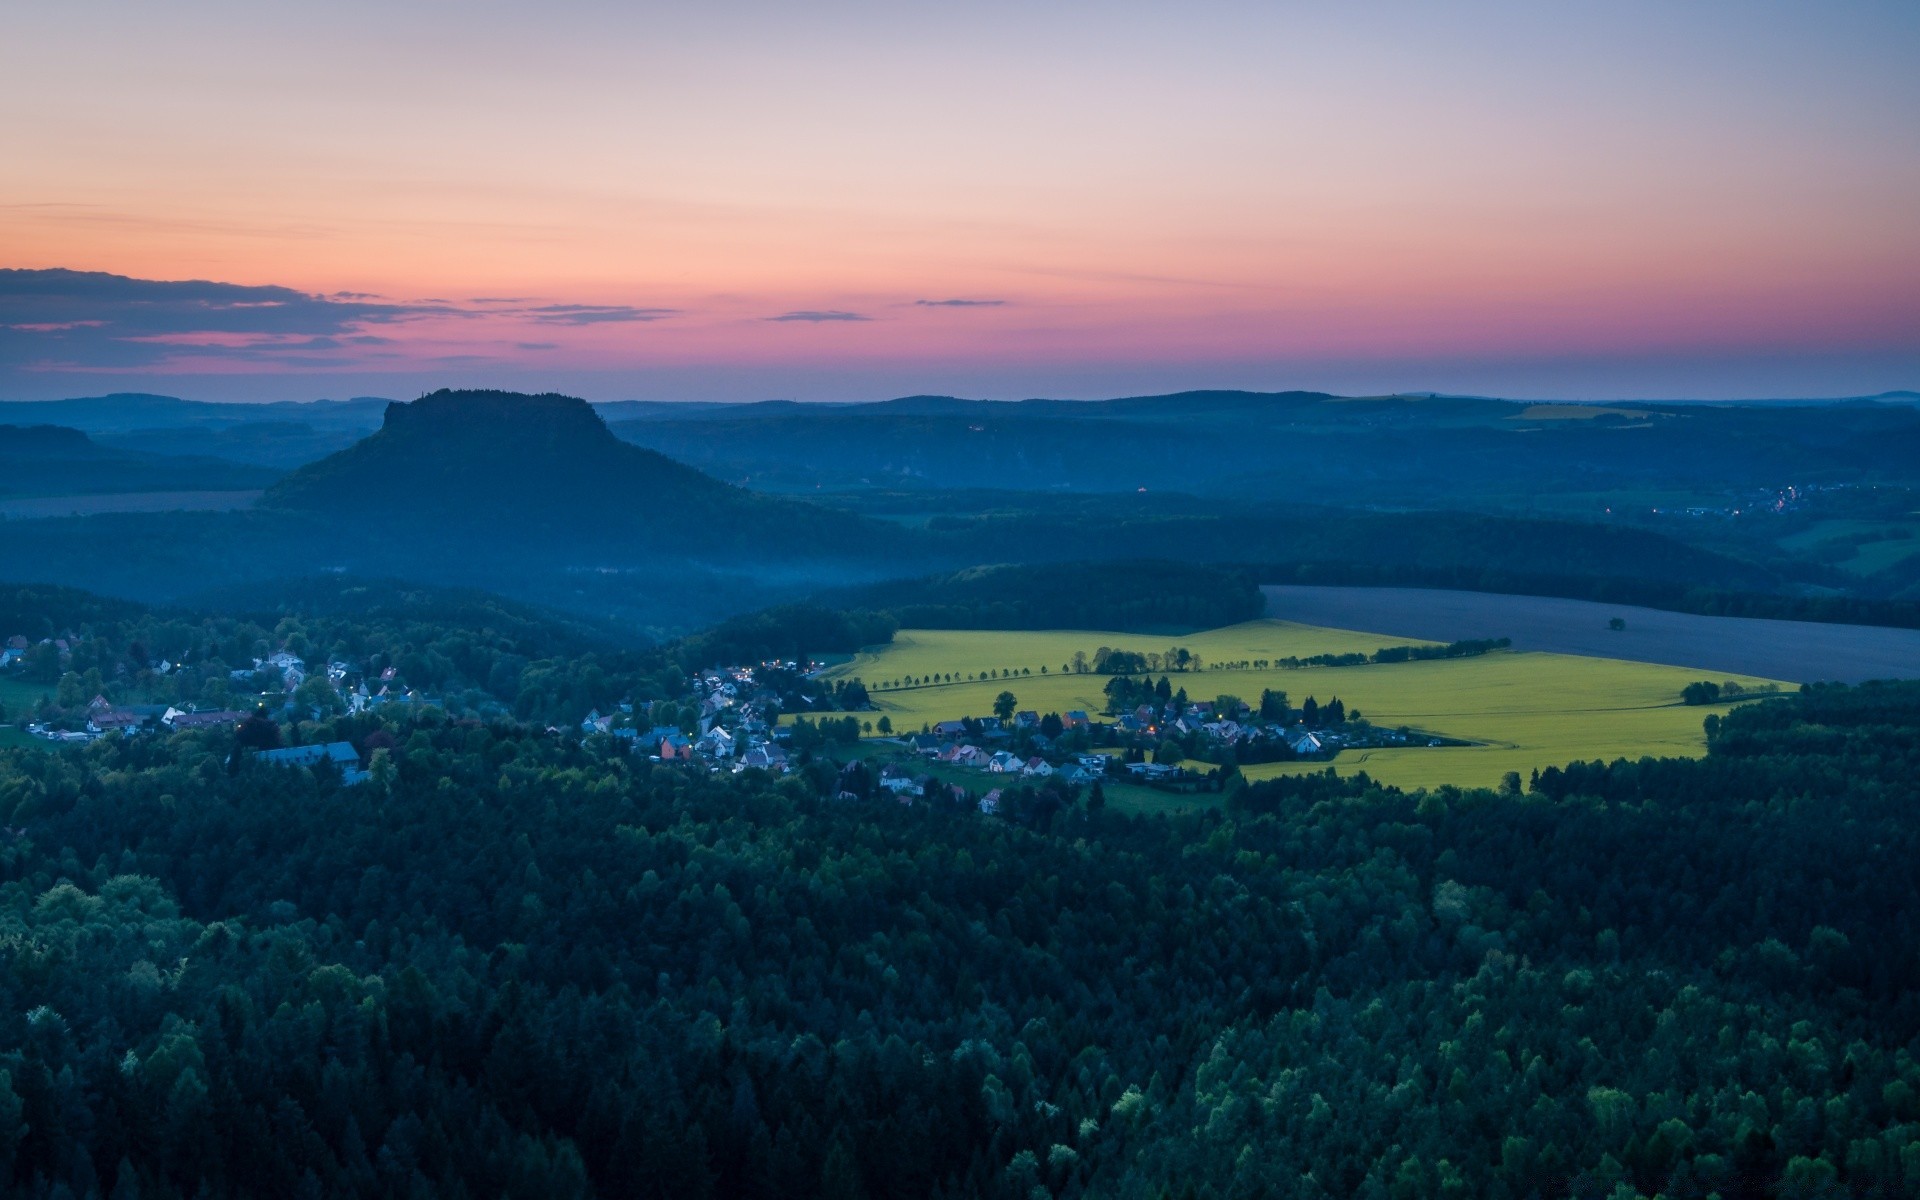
{"points": [[356, 690], [737, 729]]}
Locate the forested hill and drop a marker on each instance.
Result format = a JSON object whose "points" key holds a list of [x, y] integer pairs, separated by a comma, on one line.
{"points": [[51, 460], [502, 464], [513, 964], [1421, 451]]}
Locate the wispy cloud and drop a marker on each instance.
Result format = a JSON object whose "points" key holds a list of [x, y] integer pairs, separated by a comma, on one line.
{"points": [[596, 314], [960, 303], [816, 316], [61, 320], [95, 319]]}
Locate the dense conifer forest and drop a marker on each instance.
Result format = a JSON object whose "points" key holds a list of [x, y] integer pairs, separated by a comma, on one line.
{"points": [[519, 963]]}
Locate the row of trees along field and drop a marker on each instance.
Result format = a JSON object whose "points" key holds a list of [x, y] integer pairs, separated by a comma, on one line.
{"points": [[514, 965]]}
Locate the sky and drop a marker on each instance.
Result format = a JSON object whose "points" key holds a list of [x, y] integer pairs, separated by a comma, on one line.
{"points": [[849, 201]]}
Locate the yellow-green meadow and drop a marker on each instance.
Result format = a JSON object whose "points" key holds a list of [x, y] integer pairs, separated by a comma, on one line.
{"points": [[1526, 710]]}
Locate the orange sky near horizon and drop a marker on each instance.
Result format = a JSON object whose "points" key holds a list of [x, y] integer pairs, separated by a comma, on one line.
{"points": [[1712, 197]]}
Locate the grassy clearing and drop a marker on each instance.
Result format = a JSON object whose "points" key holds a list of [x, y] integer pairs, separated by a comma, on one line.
{"points": [[1869, 557], [1529, 710], [11, 736], [18, 696]]}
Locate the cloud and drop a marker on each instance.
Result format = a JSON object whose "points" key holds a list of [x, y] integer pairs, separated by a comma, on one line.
{"points": [[97, 320], [61, 320], [818, 316], [959, 303], [596, 314]]}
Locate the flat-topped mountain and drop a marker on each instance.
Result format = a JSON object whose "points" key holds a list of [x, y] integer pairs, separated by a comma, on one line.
{"points": [[506, 464]]}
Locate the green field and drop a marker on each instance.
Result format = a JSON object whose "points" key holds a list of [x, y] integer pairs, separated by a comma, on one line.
{"points": [[18, 696], [1527, 710], [1869, 557]]}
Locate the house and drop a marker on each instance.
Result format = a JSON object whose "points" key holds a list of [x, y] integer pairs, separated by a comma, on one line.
{"points": [[950, 729], [174, 718], [675, 747], [925, 743], [1094, 763], [902, 787], [114, 720], [717, 743], [970, 756], [1076, 776], [767, 758], [990, 803], [595, 723], [1152, 771], [1003, 763], [1307, 743], [1202, 709], [1076, 719], [340, 754], [10, 656], [1027, 719], [1037, 768]]}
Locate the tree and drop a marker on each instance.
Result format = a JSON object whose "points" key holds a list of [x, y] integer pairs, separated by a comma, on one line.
{"points": [[318, 695], [1617, 624], [1004, 705], [257, 732], [1702, 691], [1168, 752], [1310, 711], [1273, 705], [381, 773], [42, 662], [884, 724], [1051, 725]]}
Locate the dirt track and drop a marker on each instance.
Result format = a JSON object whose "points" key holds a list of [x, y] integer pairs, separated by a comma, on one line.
{"points": [[1797, 651]]}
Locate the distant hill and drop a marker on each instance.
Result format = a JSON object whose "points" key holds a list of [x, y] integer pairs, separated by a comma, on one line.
{"points": [[503, 466], [128, 412], [1295, 447], [52, 460]]}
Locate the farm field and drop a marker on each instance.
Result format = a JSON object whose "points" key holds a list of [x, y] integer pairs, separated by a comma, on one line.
{"points": [[1529, 710], [1804, 651], [1890, 542]]}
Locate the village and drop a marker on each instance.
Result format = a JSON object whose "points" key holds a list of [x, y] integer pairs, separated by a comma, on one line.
{"points": [[282, 682], [772, 716], [1164, 741]]}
